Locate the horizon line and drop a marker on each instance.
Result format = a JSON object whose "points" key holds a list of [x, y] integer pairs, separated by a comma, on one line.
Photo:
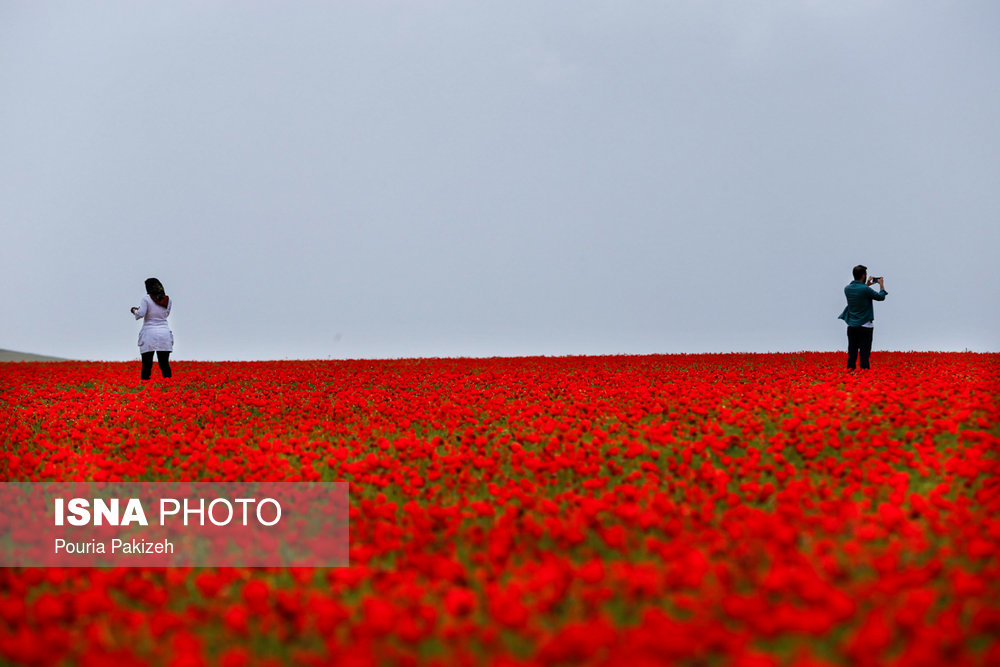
{"points": [[15, 356]]}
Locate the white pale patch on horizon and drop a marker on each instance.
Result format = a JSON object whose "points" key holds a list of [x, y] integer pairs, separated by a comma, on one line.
{"points": [[548, 67]]}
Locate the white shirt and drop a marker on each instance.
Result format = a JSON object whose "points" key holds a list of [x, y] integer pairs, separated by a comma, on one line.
{"points": [[155, 335]]}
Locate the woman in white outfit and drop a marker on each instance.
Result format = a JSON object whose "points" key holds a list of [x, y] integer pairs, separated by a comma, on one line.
{"points": [[155, 335]]}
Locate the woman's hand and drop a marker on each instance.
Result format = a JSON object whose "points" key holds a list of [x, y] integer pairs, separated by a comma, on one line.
{"points": [[134, 309]]}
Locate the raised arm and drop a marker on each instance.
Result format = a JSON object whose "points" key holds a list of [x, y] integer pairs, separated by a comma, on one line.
{"points": [[140, 312], [880, 294]]}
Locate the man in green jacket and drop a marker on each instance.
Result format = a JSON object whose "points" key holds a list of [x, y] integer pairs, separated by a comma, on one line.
{"points": [[860, 315]]}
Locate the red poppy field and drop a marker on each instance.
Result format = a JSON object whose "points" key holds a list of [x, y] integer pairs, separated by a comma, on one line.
{"points": [[746, 509]]}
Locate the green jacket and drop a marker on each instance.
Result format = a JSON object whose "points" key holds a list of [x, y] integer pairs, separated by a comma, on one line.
{"points": [[859, 303]]}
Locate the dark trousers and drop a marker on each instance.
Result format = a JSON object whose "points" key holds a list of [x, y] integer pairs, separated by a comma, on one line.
{"points": [[162, 358], [859, 339]]}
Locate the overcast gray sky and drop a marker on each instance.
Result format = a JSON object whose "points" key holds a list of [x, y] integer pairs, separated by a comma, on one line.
{"points": [[433, 178]]}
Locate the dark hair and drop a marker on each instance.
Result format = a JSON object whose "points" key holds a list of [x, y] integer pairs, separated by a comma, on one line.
{"points": [[154, 287], [860, 271]]}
